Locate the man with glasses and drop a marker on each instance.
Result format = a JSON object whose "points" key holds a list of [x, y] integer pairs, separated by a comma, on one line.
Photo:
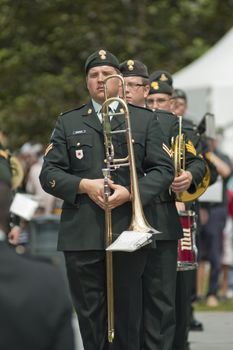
{"points": [[159, 298], [185, 279], [136, 79], [159, 97]]}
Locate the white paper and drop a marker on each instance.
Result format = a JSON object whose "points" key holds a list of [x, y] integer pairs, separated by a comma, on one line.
{"points": [[23, 206], [129, 241], [213, 193]]}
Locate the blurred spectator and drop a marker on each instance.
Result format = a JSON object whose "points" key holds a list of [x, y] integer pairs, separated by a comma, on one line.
{"points": [[227, 261], [211, 237], [27, 156], [227, 258], [179, 102], [31, 156], [36, 312]]}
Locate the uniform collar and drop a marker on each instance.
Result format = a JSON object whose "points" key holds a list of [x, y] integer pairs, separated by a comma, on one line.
{"points": [[2, 236], [97, 106], [91, 119]]}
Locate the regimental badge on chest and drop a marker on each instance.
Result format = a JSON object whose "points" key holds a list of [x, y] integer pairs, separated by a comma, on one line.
{"points": [[79, 153]]}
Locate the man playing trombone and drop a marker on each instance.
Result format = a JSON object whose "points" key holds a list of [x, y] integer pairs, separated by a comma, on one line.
{"points": [[72, 171]]}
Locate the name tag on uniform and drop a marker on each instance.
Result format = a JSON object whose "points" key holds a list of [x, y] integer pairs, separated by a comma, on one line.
{"points": [[79, 153], [76, 132]]}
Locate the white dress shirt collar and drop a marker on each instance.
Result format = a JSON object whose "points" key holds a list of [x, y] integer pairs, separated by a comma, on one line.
{"points": [[97, 108]]}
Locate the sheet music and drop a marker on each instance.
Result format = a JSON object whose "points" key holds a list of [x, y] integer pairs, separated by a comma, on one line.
{"points": [[129, 241], [214, 193], [23, 206]]}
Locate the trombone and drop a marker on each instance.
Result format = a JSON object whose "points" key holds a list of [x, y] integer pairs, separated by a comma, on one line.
{"points": [[138, 221]]}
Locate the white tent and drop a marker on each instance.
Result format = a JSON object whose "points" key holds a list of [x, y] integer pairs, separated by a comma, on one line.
{"points": [[208, 82]]}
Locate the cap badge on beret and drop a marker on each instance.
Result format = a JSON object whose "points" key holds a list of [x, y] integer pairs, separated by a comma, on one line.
{"points": [[163, 77], [102, 54], [154, 85], [130, 64]]}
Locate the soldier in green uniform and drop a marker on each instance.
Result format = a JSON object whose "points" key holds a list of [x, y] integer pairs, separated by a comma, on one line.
{"points": [[136, 79], [72, 171], [11, 173], [5, 169], [5, 180], [29, 325], [159, 299], [186, 286], [185, 279]]}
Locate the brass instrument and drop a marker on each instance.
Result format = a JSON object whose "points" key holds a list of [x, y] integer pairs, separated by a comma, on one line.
{"points": [[178, 150], [16, 168], [138, 221], [17, 172]]}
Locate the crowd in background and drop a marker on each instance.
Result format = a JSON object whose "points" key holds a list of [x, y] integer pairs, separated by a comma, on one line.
{"points": [[31, 158], [215, 244], [215, 237]]}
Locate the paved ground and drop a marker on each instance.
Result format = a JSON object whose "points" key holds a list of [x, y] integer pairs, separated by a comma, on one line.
{"points": [[78, 339], [217, 334]]}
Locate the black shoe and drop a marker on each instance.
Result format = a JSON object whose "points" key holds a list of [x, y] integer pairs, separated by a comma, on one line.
{"points": [[196, 325]]}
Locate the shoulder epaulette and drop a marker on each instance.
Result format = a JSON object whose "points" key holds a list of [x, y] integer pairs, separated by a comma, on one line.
{"points": [[163, 114], [139, 107], [162, 111], [71, 110], [189, 123]]}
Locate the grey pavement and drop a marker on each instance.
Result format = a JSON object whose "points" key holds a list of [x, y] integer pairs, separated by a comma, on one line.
{"points": [[217, 334], [77, 335]]}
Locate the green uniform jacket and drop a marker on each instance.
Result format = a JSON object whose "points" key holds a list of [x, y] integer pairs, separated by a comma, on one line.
{"points": [[5, 169], [164, 215], [45, 292], [193, 162], [77, 151]]}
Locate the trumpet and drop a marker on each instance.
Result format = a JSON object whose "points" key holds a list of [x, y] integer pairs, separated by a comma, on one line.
{"points": [[138, 220], [178, 151]]}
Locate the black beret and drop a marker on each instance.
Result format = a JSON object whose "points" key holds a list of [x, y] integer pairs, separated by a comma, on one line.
{"points": [[178, 93], [132, 68], [101, 58], [159, 87], [162, 75]]}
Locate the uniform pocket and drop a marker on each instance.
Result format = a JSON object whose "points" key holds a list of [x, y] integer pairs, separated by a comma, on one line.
{"points": [[120, 145], [80, 148]]}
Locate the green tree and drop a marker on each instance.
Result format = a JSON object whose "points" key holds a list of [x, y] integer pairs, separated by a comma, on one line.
{"points": [[44, 44]]}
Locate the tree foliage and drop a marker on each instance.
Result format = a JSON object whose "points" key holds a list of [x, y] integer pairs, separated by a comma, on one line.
{"points": [[44, 44]]}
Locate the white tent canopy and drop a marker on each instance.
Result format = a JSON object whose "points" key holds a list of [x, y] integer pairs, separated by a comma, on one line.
{"points": [[208, 82]]}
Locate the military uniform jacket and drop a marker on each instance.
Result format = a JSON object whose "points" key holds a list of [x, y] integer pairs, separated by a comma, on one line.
{"points": [[201, 145], [5, 169], [36, 312], [164, 214], [77, 151], [193, 159]]}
